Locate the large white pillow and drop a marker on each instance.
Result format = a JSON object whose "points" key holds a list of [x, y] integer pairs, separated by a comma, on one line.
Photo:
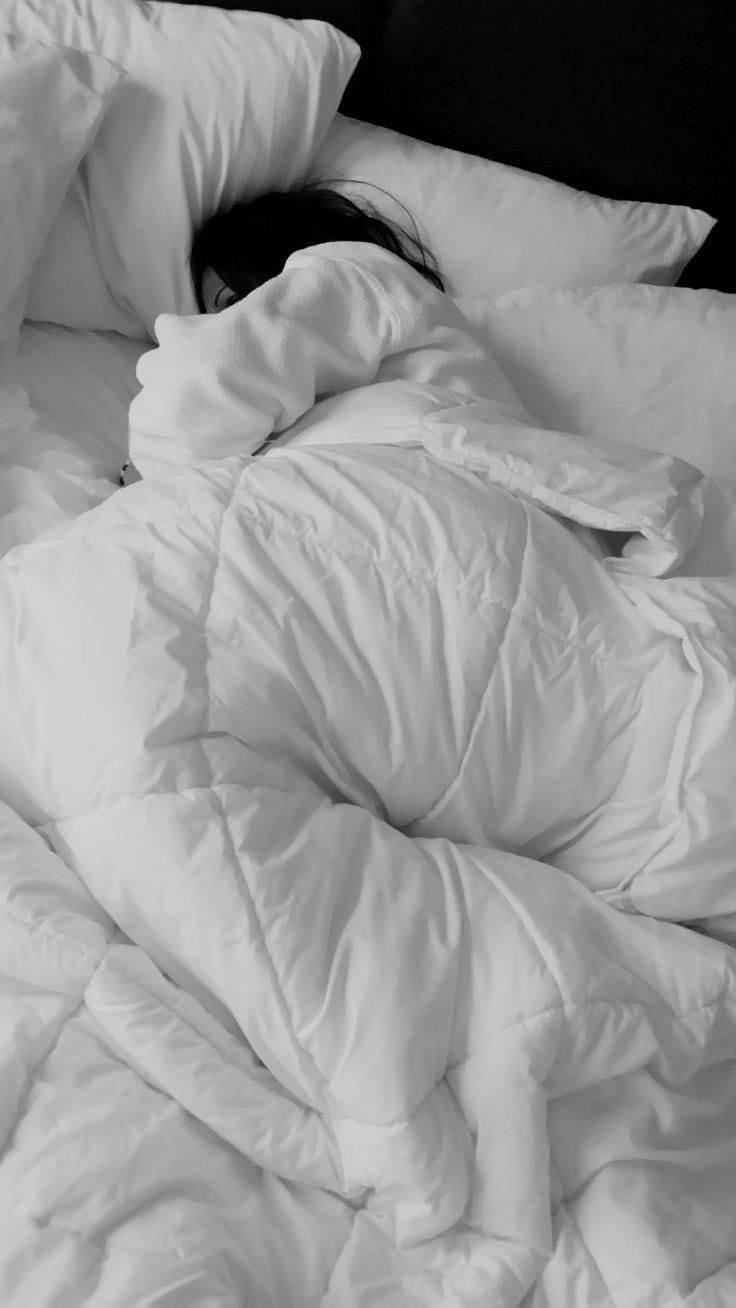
{"points": [[51, 104], [646, 366], [215, 103], [494, 228]]}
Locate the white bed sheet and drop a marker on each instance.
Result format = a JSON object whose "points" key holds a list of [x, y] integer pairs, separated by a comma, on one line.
{"points": [[80, 384], [63, 426]]}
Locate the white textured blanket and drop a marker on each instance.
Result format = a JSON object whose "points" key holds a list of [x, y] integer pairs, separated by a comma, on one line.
{"points": [[351, 742]]}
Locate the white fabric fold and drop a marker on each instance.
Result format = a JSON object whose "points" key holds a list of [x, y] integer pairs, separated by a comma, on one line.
{"points": [[361, 742], [339, 317]]}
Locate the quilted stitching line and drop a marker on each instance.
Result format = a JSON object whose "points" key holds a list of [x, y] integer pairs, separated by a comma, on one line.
{"points": [[452, 788], [43, 931], [225, 824]]}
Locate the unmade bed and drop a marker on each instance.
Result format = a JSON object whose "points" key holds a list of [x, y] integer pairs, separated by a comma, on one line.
{"points": [[367, 897]]}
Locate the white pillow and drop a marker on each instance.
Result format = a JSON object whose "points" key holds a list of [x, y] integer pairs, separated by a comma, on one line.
{"points": [[51, 104], [493, 228], [645, 366], [215, 103]]}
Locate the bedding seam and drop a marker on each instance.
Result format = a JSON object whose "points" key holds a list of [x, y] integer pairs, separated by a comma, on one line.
{"points": [[326, 548], [42, 930], [39, 1224], [568, 1007], [126, 798], [22, 1105], [453, 785], [234, 861]]}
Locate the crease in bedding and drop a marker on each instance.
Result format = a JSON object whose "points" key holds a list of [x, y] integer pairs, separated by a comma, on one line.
{"points": [[344, 759], [64, 426]]}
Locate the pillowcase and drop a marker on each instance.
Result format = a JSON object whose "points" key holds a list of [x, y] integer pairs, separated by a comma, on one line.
{"points": [[645, 366], [51, 104], [493, 228], [215, 103]]}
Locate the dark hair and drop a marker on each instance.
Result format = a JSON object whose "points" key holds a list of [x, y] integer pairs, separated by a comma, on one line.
{"points": [[250, 243]]}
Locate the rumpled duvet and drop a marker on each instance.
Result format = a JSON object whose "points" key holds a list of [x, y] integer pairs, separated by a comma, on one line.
{"points": [[368, 795]]}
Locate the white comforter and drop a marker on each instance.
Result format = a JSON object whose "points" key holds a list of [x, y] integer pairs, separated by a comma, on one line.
{"points": [[335, 745]]}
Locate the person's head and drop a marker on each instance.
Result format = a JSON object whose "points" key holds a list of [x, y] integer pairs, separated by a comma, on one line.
{"points": [[238, 249]]}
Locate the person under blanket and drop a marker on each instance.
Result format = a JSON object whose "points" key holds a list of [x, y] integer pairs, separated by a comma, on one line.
{"points": [[239, 250], [389, 612], [346, 748], [350, 355]]}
